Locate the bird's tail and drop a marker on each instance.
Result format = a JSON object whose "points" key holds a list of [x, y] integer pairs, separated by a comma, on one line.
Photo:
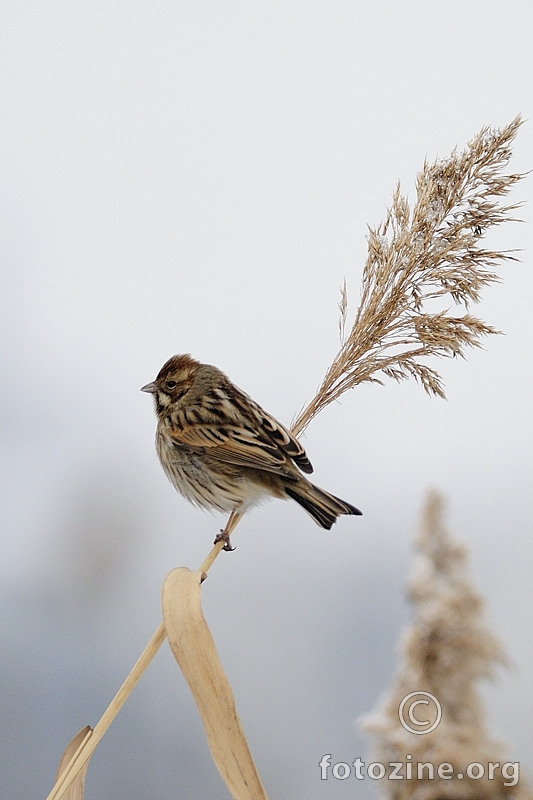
{"points": [[323, 507]]}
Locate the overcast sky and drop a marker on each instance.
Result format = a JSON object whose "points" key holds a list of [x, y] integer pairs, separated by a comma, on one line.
{"points": [[198, 177]]}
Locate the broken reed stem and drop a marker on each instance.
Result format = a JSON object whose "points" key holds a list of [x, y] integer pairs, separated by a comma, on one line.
{"points": [[83, 755], [89, 744], [72, 789]]}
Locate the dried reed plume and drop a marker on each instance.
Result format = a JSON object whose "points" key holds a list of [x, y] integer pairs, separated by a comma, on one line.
{"points": [[432, 252], [446, 651]]}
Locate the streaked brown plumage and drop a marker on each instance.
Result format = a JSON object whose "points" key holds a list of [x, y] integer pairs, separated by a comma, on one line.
{"points": [[221, 450]]}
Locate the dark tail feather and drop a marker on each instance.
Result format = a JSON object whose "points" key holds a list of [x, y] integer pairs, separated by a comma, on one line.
{"points": [[323, 507]]}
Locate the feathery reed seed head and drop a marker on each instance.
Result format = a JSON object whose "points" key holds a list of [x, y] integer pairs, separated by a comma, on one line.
{"points": [[416, 256]]}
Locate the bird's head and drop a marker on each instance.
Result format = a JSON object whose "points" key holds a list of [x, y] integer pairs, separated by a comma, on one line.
{"points": [[174, 380]]}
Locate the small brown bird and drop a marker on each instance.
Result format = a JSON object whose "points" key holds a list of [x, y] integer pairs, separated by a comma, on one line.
{"points": [[221, 450]]}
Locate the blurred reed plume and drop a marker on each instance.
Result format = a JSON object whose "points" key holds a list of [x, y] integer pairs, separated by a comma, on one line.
{"points": [[446, 651], [417, 256]]}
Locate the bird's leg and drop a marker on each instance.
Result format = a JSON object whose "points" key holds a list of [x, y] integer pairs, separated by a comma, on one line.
{"points": [[224, 534]]}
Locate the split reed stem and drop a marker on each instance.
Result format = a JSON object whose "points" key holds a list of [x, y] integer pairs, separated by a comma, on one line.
{"points": [[90, 743]]}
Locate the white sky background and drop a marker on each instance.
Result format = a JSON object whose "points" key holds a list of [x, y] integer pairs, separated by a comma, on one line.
{"points": [[198, 177]]}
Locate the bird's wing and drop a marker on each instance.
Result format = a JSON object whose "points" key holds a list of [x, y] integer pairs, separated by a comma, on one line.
{"points": [[283, 439], [233, 444], [235, 429]]}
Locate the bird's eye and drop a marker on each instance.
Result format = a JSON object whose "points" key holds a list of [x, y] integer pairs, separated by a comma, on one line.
{"points": [[171, 384]]}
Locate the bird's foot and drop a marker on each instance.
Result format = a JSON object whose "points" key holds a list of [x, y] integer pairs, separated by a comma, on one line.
{"points": [[223, 536]]}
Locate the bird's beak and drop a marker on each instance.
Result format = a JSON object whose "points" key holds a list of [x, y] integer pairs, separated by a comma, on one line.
{"points": [[151, 388]]}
